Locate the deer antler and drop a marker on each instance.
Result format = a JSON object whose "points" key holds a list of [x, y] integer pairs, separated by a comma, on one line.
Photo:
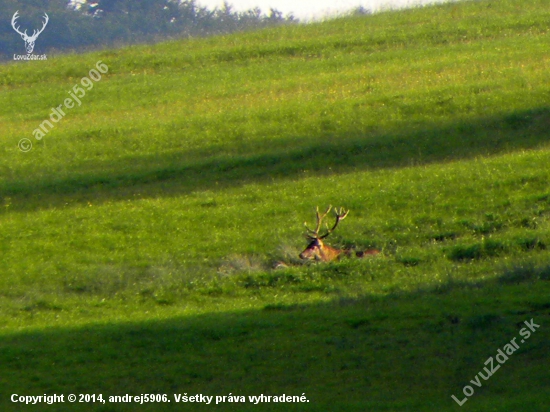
{"points": [[314, 234], [14, 21], [35, 32], [340, 215]]}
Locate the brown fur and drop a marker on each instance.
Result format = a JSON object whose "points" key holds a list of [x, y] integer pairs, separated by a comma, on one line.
{"points": [[317, 250]]}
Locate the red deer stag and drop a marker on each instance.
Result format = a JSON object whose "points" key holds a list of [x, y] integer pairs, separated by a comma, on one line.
{"points": [[317, 250]]}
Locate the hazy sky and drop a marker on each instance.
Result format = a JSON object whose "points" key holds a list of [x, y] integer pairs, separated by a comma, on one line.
{"points": [[306, 9]]}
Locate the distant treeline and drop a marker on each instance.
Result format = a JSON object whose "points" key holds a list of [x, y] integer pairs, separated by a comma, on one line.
{"points": [[96, 24]]}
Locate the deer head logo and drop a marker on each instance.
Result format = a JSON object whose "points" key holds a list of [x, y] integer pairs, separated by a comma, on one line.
{"points": [[29, 40]]}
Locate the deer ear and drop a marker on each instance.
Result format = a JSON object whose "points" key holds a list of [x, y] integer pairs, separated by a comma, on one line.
{"points": [[23, 36]]}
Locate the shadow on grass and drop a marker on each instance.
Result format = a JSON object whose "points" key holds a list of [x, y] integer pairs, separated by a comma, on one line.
{"points": [[402, 352], [332, 152]]}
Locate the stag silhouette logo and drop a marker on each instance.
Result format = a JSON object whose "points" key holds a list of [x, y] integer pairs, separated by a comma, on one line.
{"points": [[29, 40]]}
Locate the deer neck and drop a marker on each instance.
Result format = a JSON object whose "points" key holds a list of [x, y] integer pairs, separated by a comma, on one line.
{"points": [[329, 253]]}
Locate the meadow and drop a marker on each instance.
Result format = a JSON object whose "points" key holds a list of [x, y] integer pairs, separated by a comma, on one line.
{"points": [[139, 236]]}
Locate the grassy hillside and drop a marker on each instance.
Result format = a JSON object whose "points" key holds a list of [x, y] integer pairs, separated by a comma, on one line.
{"points": [[138, 236]]}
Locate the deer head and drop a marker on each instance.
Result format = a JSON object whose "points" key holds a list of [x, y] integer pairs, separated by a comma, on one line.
{"points": [[317, 250], [29, 40]]}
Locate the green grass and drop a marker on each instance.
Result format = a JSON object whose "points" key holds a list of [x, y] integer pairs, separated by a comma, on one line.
{"points": [[138, 236]]}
